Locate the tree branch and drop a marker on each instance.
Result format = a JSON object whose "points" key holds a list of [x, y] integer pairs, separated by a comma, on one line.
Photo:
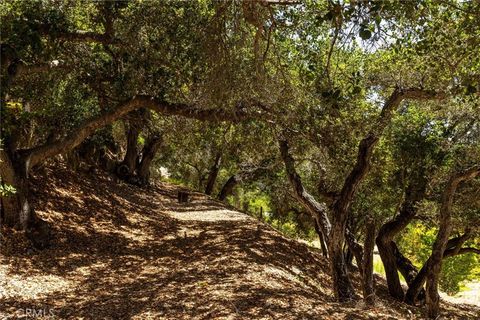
{"points": [[317, 210], [37, 154], [449, 192], [78, 35], [451, 252], [365, 150], [23, 69]]}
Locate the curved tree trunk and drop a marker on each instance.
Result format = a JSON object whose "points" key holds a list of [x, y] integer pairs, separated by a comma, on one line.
{"points": [[335, 231], [415, 287], [340, 214], [148, 154], [342, 285], [39, 153], [415, 290], [390, 265], [342, 205], [129, 163], [228, 187], [434, 263], [386, 248], [212, 175], [410, 273], [16, 210]]}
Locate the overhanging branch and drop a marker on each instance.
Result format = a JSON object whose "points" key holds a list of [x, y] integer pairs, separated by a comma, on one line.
{"points": [[78, 35], [37, 154]]}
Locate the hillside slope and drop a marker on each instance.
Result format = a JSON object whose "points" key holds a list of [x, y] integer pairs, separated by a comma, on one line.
{"points": [[122, 252]]}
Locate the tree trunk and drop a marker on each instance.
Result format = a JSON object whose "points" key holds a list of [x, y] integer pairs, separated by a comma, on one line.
{"points": [[356, 249], [129, 163], [415, 290], [342, 205], [16, 210], [410, 273], [414, 193], [148, 154], [389, 263], [212, 175], [342, 285], [336, 237], [367, 276], [321, 238], [405, 266], [434, 266], [434, 263], [228, 187]]}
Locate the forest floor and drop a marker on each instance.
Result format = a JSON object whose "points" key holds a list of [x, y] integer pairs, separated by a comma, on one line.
{"points": [[120, 252]]}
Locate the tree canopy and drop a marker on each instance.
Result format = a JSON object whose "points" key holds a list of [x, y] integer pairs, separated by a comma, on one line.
{"points": [[362, 116]]}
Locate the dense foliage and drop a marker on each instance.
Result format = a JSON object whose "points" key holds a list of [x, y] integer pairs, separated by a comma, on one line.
{"points": [[352, 120]]}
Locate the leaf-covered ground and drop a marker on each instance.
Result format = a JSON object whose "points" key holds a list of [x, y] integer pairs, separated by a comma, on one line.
{"points": [[122, 252]]}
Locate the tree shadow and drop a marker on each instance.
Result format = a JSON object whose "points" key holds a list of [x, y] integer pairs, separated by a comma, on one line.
{"points": [[121, 255]]}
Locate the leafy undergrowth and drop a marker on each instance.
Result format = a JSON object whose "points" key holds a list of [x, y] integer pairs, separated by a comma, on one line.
{"points": [[121, 252]]}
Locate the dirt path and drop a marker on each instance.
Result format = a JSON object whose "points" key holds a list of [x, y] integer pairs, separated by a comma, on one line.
{"points": [[125, 253]]}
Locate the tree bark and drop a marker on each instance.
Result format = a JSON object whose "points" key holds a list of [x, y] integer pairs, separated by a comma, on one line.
{"points": [[414, 193], [336, 237], [409, 272], [415, 290], [321, 238], [342, 286], [361, 167], [341, 206], [434, 263], [213, 174], [356, 249], [228, 187], [16, 208], [317, 210], [148, 154], [335, 231], [129, 163], [367, 276]]}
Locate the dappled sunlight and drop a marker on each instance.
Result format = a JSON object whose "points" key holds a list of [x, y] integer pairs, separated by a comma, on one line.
{"points": [[22, 286], [209, 215], [142, 255]]}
